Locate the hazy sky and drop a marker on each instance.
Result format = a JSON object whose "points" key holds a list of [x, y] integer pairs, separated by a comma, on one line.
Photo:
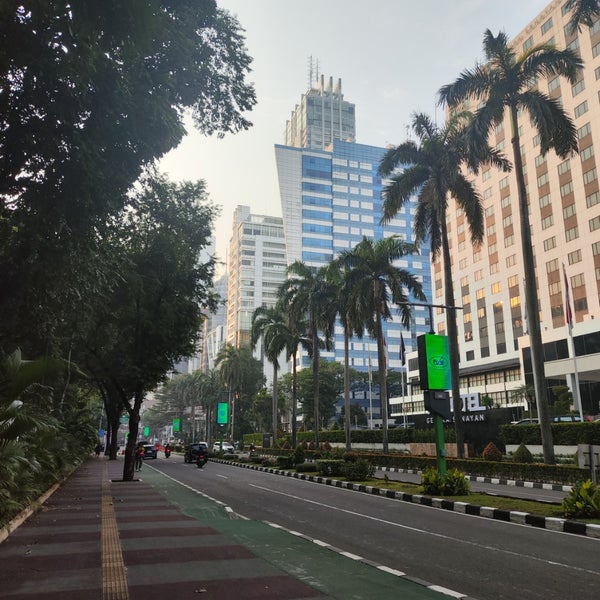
{"points": [[392, 57]]}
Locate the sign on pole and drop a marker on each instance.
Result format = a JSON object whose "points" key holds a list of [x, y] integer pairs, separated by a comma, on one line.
{"points": [[176, 425], [223, 413]]}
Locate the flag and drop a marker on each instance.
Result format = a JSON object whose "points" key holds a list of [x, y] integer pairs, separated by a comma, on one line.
{"points": [[370, 369], [568, 313], [402, 351]]}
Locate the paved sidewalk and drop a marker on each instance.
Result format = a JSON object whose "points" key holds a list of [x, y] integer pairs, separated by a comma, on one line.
{"points": [[100, 538]]}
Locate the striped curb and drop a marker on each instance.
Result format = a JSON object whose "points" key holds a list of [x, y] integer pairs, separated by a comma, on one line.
{"points": [[555, 487], [498, 514]]}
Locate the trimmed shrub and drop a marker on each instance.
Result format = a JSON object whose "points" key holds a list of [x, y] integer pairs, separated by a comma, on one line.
{"points": [[306, 467], [453, 484], [330, 468], [285, 462], [359, 470], [299, 454], [522, 455], [491, 452], [583, 501]]}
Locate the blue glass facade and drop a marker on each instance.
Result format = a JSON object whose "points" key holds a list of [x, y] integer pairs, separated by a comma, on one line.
{"points": [[330, 200]]}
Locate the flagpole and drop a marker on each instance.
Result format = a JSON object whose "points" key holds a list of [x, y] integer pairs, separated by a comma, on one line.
{"points": [[571, 345], [402, 367], [370, 394]]}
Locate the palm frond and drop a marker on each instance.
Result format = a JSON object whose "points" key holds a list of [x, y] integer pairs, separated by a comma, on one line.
{"points": [[545, 60], [583, 12]]}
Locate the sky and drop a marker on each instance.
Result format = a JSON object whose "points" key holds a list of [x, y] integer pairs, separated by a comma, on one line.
{"points": [[391, 55]]}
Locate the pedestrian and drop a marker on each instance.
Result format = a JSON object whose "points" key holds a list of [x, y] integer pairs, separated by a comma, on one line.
{"points": [[139, 458], [98, 449]]}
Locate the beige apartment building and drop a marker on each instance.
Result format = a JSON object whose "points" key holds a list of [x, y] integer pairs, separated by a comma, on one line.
{"points": [[564, 200]]}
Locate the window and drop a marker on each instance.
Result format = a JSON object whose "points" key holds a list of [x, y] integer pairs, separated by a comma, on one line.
{"points": [[489, 211], [585, 129], [572, 234], [594, 223], [540, 159], [486, 175], [492, 248], [507, 221], [564, 166], [553, 84], [513, 280], [574, 257], [569, 211], [494, 268], [596, 50], [566, 189], [511, 260], [578, 88], [545, 200], [587, 153], [503, 182], [505, 202], [487, 193], [550, 243], [592, 199], [496, 287], [552, 265], [581, 109], [547, 26], [590, 176], [548, 222], [536, 140], [509, 240], [479, 275], [542, 179], [528, 43]]}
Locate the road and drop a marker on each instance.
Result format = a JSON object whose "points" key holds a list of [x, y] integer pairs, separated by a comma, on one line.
{"points": [[481, 558]]}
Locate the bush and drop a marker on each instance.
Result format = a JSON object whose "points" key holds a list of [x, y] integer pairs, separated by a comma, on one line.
{"points": [[285, 462], [267, 461], [299, 454], [453, 484], [522, 455], [331, 468], [306, 467], [359, 470], [491, 452], [583, 501]]}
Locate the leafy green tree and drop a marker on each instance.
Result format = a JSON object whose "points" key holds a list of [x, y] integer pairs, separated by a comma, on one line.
{"points": [[583, 12], [432, 169], [373, 277], [91, 93], [153, 311], [500, 86], [309, 295]]}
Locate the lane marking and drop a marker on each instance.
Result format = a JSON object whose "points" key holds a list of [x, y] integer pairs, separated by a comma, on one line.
{"points": [[429, 533]]}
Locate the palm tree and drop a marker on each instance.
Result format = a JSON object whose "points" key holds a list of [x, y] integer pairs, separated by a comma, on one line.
{"points": [[270, 324], [432, 170], [352, 316], [372, 278], [231, 368], [503, 85], [308, 294], [582, 12]]}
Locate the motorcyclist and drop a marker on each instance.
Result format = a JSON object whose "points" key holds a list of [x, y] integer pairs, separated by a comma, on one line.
{"points": [[201, 457], [167, 451]]}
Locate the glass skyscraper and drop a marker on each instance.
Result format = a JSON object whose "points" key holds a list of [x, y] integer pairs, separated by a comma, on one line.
{"points": [[330, 200]]}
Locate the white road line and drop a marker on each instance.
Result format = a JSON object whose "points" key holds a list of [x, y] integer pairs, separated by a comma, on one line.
{"points": [[428, 533]]}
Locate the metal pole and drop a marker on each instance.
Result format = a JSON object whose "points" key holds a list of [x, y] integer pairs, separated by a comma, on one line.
{"points": [[440, 445]]}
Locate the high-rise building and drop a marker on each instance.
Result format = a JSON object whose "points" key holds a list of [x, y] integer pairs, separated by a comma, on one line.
{"points": [[256, 270], [321, 117], [331, 199], [564, 198]]}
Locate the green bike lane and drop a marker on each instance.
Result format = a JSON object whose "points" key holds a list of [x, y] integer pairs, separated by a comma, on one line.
{"points": [[321, 567]]}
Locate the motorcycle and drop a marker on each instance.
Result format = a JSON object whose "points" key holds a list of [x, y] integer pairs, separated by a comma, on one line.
{"points": [[167, 452], [201, 460]]}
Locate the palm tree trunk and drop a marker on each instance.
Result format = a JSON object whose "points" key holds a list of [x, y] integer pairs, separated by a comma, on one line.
{"points": [[294, 402], [315, 366], [453, 343], [381, 363], [347, 389], [533, 311], [275, 403]]}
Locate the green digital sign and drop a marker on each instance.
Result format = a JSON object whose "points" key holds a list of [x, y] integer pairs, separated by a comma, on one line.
{"points": [[434, 362], [222, 413], [176, 425], [146, 431]]}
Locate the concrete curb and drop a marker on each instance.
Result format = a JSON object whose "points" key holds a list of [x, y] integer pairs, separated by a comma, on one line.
{"points": [[498, 514]]}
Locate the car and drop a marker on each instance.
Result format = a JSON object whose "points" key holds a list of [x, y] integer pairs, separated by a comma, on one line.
{"points": [[149, 449], [567, 419], [227, 447], [525, 422], [193, 450]]}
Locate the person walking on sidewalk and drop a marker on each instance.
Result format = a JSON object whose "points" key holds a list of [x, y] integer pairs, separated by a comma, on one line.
{"points": [[139, 458]]}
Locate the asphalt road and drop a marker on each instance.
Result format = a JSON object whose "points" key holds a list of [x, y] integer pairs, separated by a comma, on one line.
{"points": [[478, 557]]}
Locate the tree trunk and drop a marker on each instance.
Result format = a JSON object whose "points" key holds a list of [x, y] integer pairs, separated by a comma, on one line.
{"points": [[275, 404], [453, 343], [294, 402], [382, 365], [315, 365], [533, 311], [347, 390]]}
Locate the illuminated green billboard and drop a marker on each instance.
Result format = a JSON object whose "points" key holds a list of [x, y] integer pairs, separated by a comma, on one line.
{"points": [[222, 413], [434, 362]]}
